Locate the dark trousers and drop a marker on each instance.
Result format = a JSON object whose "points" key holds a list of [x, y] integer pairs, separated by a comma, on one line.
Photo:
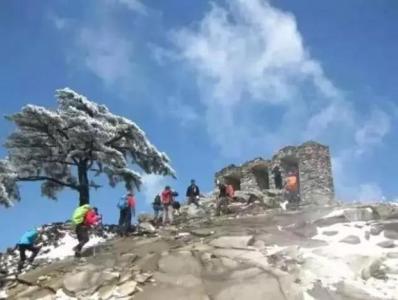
{"points": [[278, 182], [192, 199], [125, 221], [222, 205], [82, 237], [22, 254]]}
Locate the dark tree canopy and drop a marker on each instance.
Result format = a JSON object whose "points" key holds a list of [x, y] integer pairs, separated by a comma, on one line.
{"points": [[72, 145]]}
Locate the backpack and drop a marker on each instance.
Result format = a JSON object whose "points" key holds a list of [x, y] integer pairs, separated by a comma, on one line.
{"points": [[79, 214], [157, 200], [122, 204], [176, 205]]}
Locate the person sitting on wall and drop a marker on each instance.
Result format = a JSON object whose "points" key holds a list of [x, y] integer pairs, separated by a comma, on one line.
{"points": [[277, 177]]}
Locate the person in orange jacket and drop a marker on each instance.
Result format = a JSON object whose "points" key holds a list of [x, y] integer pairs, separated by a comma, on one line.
{"points": [[290, 190]]}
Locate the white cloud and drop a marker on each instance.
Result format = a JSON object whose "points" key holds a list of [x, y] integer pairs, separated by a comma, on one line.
{"points": [[370, 192], [251, 54], [373, 131], [134, 5], [248, 57], [152, 185], [185, 114], [106, 54], [59, 22]]}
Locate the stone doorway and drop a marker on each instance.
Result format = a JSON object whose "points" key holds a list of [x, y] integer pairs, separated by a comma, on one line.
{"points": [[234, 181], [260, 173]]}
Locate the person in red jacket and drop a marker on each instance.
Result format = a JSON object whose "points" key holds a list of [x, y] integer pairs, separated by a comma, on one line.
{"points": [[91, 219], [167, 201], [131, 202]]}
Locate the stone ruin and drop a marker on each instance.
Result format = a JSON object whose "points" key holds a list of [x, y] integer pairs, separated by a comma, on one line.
{"points": [[310, 160]]}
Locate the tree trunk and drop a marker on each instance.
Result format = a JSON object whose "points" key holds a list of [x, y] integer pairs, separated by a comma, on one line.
{"points": [[84, 189]]}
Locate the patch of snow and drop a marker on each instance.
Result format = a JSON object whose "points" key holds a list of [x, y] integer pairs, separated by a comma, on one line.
{"points": [[65, 247], [3, 294], [341, 262], [307, 296], [60, 295], [271, 250], [336, 213]]}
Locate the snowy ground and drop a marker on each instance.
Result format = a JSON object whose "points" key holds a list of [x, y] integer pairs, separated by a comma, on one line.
{"points": [[65, 247], [341, 262]]}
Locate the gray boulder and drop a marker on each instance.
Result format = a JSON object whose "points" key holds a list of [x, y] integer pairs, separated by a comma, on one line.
{"points": [[146, 227], [376, 229], [391, 234], [373, 269], [177, 264], [235, 242], [386, 244], [359, 214], [142, 218], [351, 239]]}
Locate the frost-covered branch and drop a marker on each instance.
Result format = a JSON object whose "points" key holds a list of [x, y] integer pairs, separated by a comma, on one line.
{"points": [[42, 178], [60, 147]]}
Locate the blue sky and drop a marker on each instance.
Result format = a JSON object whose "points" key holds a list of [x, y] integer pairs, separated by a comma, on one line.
{"points": [[211, 83]]}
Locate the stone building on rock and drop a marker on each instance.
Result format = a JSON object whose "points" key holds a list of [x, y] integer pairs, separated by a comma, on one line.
{"points": [[310, 161]]}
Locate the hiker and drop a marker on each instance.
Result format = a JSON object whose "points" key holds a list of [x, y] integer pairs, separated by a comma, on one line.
{"points": [[84, 217], [222, 199], [126, 206], [167, 201], [28, 242], [277, 177], [291, 190], [193, 193], [157, 208]]}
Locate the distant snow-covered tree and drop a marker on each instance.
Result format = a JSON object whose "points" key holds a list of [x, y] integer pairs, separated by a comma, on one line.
{"points": [[71, 145]]}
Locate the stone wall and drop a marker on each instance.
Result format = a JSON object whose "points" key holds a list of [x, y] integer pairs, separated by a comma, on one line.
{"points": [[311, 160]]}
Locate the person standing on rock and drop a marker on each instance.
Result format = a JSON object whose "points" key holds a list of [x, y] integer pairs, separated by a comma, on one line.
{"points": [[126, 206], [193, 194], [167, 203], [222, 199], [157, 208], [277, 178], [28, 242], [291, 190], [84, 217]]}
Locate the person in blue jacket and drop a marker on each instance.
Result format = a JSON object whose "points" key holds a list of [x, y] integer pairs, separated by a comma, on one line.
{"points": [[28, 241]]}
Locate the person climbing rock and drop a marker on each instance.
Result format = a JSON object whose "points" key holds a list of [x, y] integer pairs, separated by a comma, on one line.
{"points": [[28, 242], [167, 201], [193, 194], [222, 199], [84, 217], [277, 178], [126, 207]]}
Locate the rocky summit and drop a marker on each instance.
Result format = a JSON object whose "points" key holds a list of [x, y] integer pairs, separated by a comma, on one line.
{"points": [[255, 251]]}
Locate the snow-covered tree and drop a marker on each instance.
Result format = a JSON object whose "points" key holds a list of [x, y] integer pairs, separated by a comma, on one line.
{"points": [[72, 145]]}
